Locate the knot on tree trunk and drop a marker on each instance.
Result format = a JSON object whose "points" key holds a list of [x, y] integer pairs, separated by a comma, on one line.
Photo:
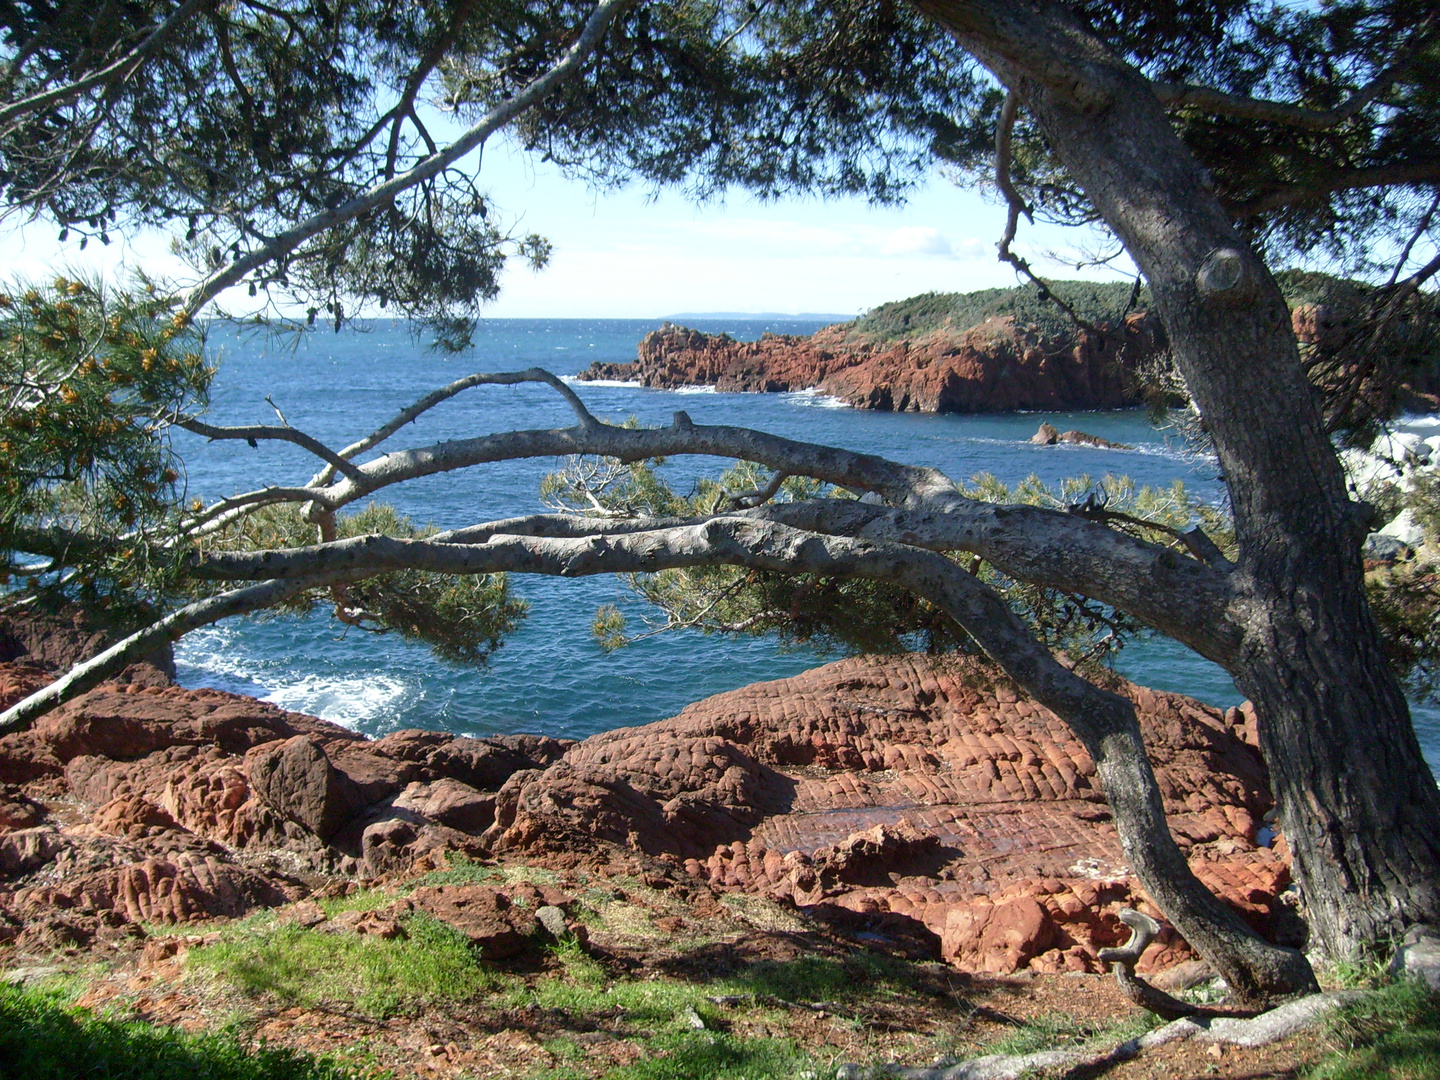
{"points": [[1226, 277]]}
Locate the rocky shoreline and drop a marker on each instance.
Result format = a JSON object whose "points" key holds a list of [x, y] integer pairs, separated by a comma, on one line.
{"points": [[921, 801], [996, 366]]}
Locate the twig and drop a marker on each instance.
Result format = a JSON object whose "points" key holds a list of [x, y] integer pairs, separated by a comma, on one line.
{"points": [[1195, 541], [1015, 206], [748, 500], [445, 393]]}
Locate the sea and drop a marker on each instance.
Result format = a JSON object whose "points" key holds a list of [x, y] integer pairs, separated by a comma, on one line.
{"points": [[550, 676]]}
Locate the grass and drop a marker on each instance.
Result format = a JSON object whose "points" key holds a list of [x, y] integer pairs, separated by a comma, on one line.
{"points": [[306, 967], [462, 871], [697, 1056], [43, 1038], [1394, 1033]]}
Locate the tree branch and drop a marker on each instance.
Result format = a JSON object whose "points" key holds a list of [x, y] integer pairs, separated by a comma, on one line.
{"points": [[1015, 206], [120, 69], [590, 36], [1425, 171], [1219, 102], [281, 434], [143, 643]]}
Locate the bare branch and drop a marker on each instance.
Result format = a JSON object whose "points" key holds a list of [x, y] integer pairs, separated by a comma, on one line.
{"points": [[898, 484], [745, 500], [590, 36], [281, 434], [1421, 226], [143, 643], [445, 393], [1015, 206]]}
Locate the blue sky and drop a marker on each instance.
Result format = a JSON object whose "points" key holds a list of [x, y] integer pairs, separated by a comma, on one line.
{"points": [[629, 253]]}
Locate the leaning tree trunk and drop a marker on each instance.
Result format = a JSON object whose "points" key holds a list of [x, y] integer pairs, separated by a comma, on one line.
{"points": [[1358, 805]]}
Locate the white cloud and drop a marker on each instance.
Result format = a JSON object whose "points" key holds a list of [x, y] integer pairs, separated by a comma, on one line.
{"points": [[917, 240]]}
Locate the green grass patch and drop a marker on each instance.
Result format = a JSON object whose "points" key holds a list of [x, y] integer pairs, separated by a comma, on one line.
{"points": [[43, 1038], [462, 871], [308, 967], [817, 978], [1100, 302], [1061, 1031], [1394, 1032], [703, 1055]]}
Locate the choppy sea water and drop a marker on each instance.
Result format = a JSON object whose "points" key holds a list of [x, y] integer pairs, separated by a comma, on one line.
{"points": [[550, 676]]}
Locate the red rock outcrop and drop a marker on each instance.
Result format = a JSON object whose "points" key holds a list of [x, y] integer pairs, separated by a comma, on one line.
{"points": [[994, 367], [917, 786], [921, 799]]}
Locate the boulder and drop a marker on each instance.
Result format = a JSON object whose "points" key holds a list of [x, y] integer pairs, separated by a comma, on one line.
{"points": [[486, 916], [296, 779], [1404, 528], [997, 937], [1049, 435], [1418, 956], [449, 802]]}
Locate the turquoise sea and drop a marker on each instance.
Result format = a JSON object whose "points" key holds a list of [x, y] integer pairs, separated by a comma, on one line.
{"points": [[550, 676]]}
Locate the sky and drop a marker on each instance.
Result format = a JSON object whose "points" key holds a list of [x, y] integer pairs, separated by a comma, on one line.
{"points": [[633, 254]]}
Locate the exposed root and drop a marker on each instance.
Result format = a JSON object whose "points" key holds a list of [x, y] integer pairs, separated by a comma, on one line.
{"points": [[1281, 1023]]}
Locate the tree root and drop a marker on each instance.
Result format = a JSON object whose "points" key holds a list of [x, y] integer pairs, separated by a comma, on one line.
{"points": [[1122, 960], [1277, 1024]]}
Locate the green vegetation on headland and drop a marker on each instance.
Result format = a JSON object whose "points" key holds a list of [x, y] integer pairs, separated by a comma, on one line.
{"points": [[1094, 301]]}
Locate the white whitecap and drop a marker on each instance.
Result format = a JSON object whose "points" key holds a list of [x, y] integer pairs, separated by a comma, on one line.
{"points": [[813, 398], [575, 380], [208, 658], [348, 702]]}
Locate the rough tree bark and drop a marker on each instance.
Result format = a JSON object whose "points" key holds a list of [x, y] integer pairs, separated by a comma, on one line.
{"points": [[1358, 805]]}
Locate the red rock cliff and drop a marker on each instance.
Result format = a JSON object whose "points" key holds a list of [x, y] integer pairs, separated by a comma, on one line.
{"points": [[996, 366]]}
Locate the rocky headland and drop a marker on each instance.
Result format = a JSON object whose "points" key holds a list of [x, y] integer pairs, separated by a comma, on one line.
{"points": [[997, 350], [921, 801], [999, 365]]}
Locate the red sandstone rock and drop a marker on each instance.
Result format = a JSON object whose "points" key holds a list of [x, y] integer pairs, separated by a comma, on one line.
{"points": [[482, 763], [56, 642], [297, 780], [19, 680], [792, 786], [182, 888], [486, 916], [449, 802], [917, 799], [994, 367], [997, 937]]}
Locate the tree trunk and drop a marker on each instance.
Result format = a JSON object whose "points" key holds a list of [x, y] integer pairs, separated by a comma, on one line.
{"points": [[1358, 804]]}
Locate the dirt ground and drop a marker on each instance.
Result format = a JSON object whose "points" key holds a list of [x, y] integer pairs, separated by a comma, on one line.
{"points": [[910, 1012]]}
